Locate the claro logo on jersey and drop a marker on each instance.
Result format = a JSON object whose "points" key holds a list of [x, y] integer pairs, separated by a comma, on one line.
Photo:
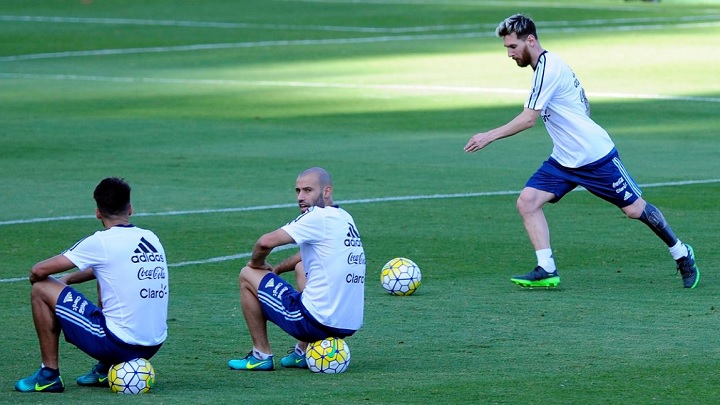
{"points": [[146, 253], [160, 293], [353, 236]]}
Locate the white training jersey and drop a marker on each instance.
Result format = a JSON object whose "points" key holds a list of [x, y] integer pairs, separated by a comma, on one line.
{"points": [[334, 261], [557, 93], [131, 269]]}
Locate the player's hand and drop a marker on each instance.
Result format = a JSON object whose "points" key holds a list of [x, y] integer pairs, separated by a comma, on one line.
{"points": [[477, 142], [263, 266]]}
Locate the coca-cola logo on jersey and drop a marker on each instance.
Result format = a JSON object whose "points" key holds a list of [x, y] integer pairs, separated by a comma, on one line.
{"points": [[157, 273]]}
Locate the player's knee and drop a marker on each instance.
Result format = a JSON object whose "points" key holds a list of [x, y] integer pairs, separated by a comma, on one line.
{"points": [[250, 278], [635, 210], [244, 275], [526, 203]]}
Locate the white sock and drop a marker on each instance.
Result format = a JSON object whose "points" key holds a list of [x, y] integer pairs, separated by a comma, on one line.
{"points": [[298, 350], [545, 259], [260, 355], [679, 250]]}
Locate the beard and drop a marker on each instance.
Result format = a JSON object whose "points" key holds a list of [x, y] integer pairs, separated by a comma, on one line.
{"points": [[525, 59]]}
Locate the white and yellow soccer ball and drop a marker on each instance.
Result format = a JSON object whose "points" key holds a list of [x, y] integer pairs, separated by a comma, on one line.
{"points": [[328, 356], [400, 276], [132, 377]]}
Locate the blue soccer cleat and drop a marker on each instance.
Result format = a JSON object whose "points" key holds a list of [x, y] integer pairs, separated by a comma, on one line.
{"points": [[688, 269]]}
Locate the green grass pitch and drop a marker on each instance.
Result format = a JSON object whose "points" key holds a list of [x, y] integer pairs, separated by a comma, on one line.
{"points": [[211, 108]]}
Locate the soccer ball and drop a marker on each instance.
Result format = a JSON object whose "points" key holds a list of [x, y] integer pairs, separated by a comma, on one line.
{"points": [[132, 377], [400, 276], [328, 356]]}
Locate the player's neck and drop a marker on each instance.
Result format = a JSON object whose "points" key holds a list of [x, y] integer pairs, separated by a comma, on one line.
{"points": [[115, 221], [536, 56]]}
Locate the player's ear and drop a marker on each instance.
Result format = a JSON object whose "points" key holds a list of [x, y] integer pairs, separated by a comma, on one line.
{"points": [[97, 214], [130, 210], [327, 192]]}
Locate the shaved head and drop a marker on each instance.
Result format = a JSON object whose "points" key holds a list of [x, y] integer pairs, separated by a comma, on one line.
{"points": [[314, 188], [321, 174]]}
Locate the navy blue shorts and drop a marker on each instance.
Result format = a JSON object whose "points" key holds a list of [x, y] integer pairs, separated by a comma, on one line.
{"points": [[607, 178], [83, 325], [281, 305]]}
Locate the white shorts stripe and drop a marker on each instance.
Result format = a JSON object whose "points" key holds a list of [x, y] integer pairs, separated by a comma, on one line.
{"points": [[276, 305], [78, 320], [627, 177]]}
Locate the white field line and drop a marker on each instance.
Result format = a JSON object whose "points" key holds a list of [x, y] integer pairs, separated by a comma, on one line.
{"points": [[349, 41], [479, 3], [220, 259], [355, 86], [335, 28], [342, 202]]}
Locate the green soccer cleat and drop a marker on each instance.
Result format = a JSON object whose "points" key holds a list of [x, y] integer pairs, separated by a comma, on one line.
{"points": [[43, 380], [294, 360], [688, 269], [538, 278], [95, 378], [252, 363]]}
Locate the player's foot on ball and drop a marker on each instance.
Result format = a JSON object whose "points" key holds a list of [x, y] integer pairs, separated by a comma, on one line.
{"points": [[688, 269], [43, 380], [95, 378], [294, 360], [252, 363], [538, 277]]}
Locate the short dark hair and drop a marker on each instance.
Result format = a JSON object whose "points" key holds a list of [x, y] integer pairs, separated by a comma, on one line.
{"points": [[112, 196], [521, 25]]}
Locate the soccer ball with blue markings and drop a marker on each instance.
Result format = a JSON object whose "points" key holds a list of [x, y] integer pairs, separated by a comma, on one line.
{"points": [[132, 377], [328, 356], [400, 276]]}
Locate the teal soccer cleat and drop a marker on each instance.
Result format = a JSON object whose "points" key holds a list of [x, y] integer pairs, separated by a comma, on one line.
{"points": [[43, 380], [95, 378], [294, 360], [252, 363]]}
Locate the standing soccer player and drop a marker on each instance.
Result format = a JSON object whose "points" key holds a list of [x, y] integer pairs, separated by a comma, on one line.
{"points": [[583, 155], [332, 300], [131, 270]]}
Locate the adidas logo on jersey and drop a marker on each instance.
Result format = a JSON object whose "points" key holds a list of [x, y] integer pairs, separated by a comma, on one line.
{"points": [[353, 236], [146, 253], [270, 283], [627, 195]]}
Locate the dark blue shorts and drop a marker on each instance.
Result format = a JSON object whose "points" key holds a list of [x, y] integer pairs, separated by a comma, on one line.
{"points": [[83, 325], [607, 178], [281, 305]]}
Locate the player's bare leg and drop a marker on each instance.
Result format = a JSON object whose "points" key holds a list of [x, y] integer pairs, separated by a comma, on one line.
{"points": [[43, 298], [260, 358], [530, 206], [256, 322]]}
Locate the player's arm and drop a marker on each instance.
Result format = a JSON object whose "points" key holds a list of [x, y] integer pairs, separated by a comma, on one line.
{"points": [[288, 264], [265, 245], [79, 276], [525, 120], [48, 267]]}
